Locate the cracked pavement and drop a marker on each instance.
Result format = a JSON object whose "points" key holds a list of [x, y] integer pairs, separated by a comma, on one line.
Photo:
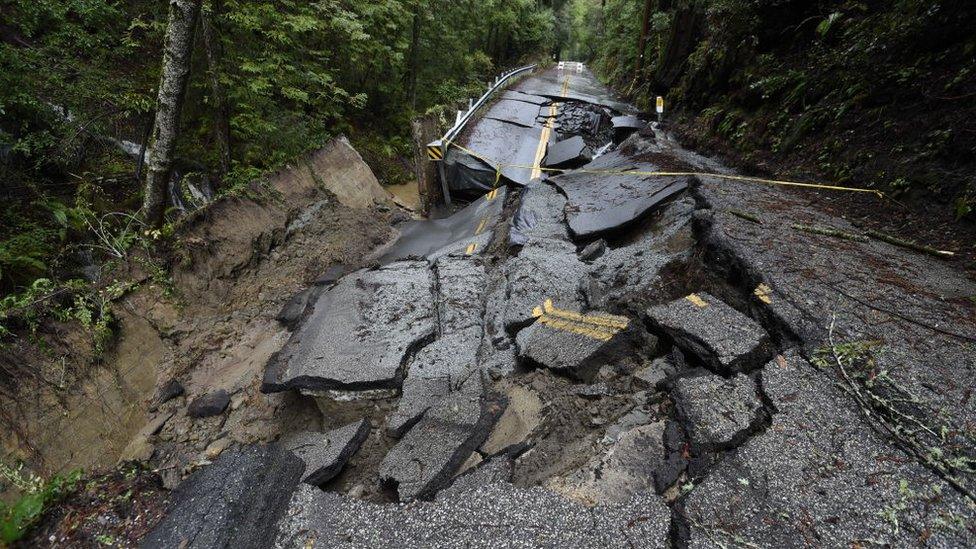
{"points": [[598, 360]]}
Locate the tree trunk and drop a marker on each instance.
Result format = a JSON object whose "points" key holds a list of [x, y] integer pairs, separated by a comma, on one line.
{"points": [[642, 41], [414, 66], [173, 78], [211, 44]]}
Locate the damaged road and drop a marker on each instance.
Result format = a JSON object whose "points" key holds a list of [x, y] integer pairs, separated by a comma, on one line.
{"points": [[601, 359]]}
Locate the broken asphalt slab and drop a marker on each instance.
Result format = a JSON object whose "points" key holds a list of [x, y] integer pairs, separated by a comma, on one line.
{"points": [[718, 413], [540, 215], [433, 238], [568, 153], [543, 269], [603, 198], [360, 333], [725, 340], [235, 502], [425, 460], [574, 344], [325, 454]]}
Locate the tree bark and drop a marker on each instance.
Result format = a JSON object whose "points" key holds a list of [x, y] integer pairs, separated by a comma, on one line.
{"points": [[212, 47], [175, 73], [642, 41], [414, 66]]}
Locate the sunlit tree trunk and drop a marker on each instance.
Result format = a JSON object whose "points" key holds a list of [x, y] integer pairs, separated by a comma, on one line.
{"points": [[212, 47], [642, 42], [414, 60], [175, 73]]}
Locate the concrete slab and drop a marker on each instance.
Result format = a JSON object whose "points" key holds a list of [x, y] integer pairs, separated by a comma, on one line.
{"points": [[360, 333], [725, 340], [325, 454]]}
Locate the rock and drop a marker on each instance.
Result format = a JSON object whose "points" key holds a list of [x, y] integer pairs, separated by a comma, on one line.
{"points": [[574, 344], [167, 392], [725, 340], [653, 375], [217, 447], [325, 454], [430, 453], [593, 250], [293, 310], [718, 413], [340, 169], [209, 404], [139, 448], [359, 334], [597, 390], [235, 502], [821, 468]]}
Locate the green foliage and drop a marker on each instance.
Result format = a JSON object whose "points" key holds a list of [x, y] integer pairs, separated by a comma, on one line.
{"points": [[37, 495]]}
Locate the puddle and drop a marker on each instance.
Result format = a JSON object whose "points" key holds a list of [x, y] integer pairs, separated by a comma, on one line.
{"points": [[406, 195]]}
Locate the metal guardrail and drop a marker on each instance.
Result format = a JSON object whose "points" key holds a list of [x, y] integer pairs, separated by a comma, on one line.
{"points": [[437, 150]]}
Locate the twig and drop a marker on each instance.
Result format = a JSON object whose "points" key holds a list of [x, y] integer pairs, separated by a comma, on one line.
{"points": [[746, 215]]}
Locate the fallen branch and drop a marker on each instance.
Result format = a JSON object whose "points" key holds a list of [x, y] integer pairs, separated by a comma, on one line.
{"points": [[827, 231], [903, 317], [909, 244], [746, 215]]}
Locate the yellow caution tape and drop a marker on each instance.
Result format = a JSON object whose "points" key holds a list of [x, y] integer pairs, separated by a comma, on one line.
{"points": [[744, 178]]}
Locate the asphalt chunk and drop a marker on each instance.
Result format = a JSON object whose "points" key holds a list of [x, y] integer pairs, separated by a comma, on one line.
{"points": [[718, 413], [568, 153], [604, 200], [488, 512], [570, 343], [325, 454], [360, 332], [425, 460], [725, 340], [544, 269], [235, 502]]}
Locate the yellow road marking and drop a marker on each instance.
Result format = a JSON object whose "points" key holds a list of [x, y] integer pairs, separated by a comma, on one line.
{"points": [[471, 248], [601, 327], [481, 226], [491, 195], [540, 150], [694, 298], [763, 292]]}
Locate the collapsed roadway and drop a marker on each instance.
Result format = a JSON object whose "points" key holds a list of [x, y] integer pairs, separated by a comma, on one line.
{"points": [[589, 358]]}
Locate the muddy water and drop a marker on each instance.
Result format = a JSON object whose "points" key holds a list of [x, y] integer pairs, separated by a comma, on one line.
{"points": [[406, 195]]}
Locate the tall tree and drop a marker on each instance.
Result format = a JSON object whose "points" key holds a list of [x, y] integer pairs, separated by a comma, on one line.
{"points": [[642, 42], [212, 47], [175, 73]]}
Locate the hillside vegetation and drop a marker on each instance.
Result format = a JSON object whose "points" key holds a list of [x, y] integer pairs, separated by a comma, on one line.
{"points": [[873, 93], [268, 81]]}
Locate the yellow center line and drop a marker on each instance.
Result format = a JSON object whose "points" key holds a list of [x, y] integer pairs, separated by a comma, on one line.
{"points": [[540, 150], [481, 226]]}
